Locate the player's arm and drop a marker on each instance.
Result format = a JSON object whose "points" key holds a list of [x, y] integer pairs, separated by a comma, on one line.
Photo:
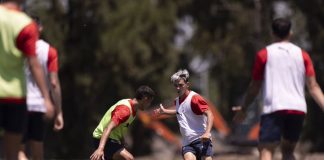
{"points": [[56, 97], [315, 91], [252, 92], [163, 110], [257, 78], [26, 42], [99, 153], [254, 86], [311, 83], [119, 115], [52, 66], [210, 120], [200, 107], [56, 91], [106, 133], [170, 110], [55, 88]]}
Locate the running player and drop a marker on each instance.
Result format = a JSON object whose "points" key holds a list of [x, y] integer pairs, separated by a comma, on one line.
{"points": [[281, 69], [194, 118], [109, 133]]}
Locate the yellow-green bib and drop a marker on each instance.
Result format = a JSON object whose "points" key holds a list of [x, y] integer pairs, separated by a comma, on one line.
{"points": [[118, 132], [12, 78]]}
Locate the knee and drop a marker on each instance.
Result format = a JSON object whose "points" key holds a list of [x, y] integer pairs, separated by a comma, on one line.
{"points": [[268, 146]]}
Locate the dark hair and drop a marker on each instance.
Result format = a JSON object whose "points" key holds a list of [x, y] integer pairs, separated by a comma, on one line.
{"points": [[144, 91], [37, 20], [281, 27]]}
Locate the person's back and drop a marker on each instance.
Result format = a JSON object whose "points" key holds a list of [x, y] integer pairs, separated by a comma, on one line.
{"points": [[282, 69], [18, 35], [284, 78], [11, 58]]}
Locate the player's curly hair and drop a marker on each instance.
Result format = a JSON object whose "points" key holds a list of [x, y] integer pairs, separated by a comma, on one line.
{"points": [[181, 74], [144, 91]]}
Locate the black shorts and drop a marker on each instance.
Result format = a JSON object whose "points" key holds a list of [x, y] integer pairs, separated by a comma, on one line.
{"points": [[276, 125], [34, 127], [199, 149], [111, 147], [13, 117]]}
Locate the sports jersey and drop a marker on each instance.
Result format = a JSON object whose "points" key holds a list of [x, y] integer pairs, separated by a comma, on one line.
{"points": [[283, 66], [189, 112], [17, 40], [47, 57], [123, 114]]}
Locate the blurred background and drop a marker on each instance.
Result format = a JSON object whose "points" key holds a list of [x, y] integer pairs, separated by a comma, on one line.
{"points": [[107, 48]]}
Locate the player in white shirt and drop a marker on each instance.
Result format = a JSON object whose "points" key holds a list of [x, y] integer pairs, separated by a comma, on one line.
{"points": [[281, 70], [34, 134], [194, 118]]}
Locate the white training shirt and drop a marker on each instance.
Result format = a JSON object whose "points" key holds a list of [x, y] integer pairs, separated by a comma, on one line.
{"points": [[35, 100], [284, 67], [192, 126]]}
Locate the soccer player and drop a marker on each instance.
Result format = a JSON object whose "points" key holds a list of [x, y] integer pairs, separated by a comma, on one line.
{"points": [[109, 133], [281, 69], [34, 134], [194, 118], [17, 43]]}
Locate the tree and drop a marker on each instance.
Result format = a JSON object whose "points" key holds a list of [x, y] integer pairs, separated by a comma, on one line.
{"points": [[110, 48]]}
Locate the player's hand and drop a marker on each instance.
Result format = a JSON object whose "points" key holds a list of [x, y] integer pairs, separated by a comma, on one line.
{"points": [[98, 155], [159, 110], [156, 112], [240, 115], [58, 122], [205, 137], [50, 112], [162, 109]]}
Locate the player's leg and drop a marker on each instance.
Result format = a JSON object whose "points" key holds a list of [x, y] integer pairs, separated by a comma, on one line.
{"points": [[206, 150], [112, 148], [293, 124], [270, 135], [35, 134], [189, 152], [189, 156], [202, 150], [207, 158], [22, 152], [11, 144], [287, 149], [37, 151], [14, 117], [123, 154], [267, 150]]}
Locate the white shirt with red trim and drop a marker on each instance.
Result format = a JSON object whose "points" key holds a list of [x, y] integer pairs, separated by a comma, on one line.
{"points": [[192, 125], [283, 66], [35, 100]]}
